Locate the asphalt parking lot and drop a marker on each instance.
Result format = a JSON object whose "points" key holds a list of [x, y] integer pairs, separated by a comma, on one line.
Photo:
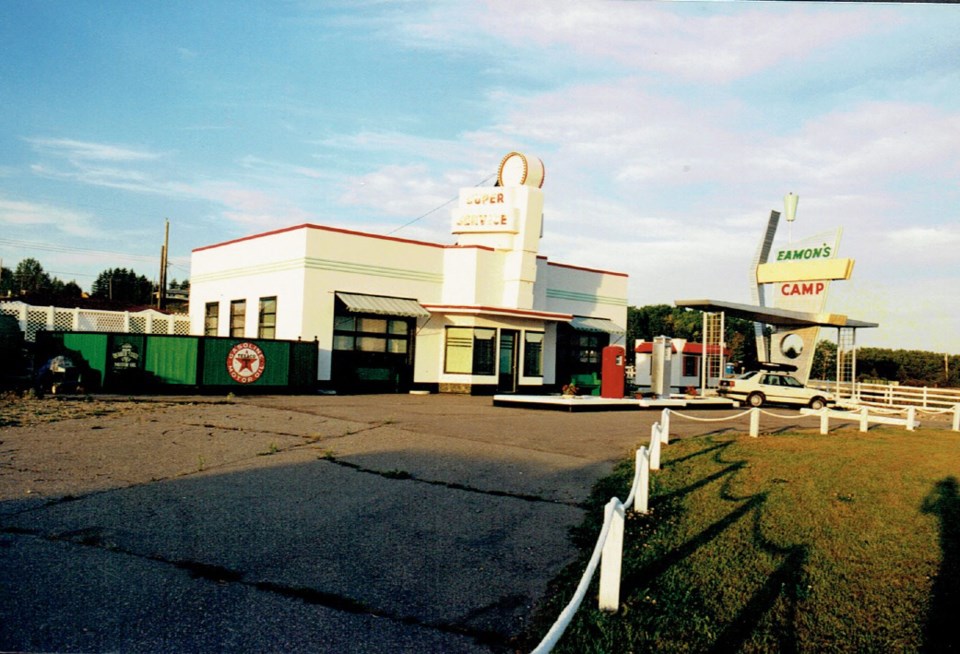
{"points": [[393, 523]]}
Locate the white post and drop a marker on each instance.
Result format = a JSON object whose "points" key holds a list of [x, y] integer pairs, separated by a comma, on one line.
{"points": [[754, 422], [641, 501], [610, 558], [824, 421], [665, 425], [911, 417], [655, 446], [75, 320], [956, 417], [864, 419]]}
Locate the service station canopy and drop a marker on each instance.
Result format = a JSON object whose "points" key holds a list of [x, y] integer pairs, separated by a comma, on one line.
{"points": [[776, 317]]}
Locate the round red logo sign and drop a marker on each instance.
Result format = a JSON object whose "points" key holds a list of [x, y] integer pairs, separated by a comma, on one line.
{"points": [[245, 363]]}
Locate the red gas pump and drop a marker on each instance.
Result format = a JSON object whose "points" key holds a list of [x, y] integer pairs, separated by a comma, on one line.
{"points": [[614, 372]]}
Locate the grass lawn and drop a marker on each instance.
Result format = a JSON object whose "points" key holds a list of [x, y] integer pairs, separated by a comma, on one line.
{"points": [[793, 542]]}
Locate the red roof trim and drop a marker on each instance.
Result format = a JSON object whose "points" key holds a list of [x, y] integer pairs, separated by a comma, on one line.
{"points": [[339, 230], [584, 268], [688, 348]]}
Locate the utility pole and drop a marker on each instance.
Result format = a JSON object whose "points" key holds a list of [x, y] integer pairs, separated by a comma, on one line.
{"points": [[162, 290]]}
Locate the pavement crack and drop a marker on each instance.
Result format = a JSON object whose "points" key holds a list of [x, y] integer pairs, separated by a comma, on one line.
{"points": [[91, 537], [403, 475]]}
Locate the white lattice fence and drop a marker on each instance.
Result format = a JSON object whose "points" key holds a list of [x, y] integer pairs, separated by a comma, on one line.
{"points": [[33, 319]]}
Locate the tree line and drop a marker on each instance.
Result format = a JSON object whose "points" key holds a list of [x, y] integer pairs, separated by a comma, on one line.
{"points": [[118, 286]]}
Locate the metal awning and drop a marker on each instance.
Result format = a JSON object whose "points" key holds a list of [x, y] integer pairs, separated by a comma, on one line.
{"points": [[773, 316], [596, 325], [383, 305]]}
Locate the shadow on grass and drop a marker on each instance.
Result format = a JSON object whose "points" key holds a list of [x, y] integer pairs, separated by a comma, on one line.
{"points": [[940, 632], [787, 581]]}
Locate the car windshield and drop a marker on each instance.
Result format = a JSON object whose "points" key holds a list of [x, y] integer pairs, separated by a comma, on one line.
{"points": [[786, 380], [748, 375]]}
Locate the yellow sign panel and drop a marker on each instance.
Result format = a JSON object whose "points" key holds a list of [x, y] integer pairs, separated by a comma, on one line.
{"points": [[800, 271]]}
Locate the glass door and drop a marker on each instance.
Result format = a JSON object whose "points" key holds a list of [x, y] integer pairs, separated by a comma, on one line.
{"points": [[507, 380]]}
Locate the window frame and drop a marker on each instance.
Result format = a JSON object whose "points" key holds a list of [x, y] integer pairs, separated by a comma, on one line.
{"points": [[529, 369], [238, 318], [264, 325], [211, 319], [479, 348]]}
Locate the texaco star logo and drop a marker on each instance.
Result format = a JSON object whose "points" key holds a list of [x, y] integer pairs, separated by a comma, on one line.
{"points": [[245, 363]]}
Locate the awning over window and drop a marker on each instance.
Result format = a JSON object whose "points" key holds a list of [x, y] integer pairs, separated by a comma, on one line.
{"points": [[382, 305], [596, 325]]}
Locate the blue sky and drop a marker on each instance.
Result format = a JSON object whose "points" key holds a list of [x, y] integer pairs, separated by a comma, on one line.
{"points": [[668, 130]]}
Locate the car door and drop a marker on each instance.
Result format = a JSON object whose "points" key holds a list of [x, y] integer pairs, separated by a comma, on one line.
{"points": [[772, 389]]}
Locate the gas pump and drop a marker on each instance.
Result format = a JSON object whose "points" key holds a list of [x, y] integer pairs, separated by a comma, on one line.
{"points": [[661, 369], [613, 372]]}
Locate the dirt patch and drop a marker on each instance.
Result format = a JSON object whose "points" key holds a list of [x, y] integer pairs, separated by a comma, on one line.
{"points": [[59, 447], [30, 411]]}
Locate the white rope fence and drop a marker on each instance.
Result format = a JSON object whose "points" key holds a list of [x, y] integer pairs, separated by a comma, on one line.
{"points": [[608, 551]]}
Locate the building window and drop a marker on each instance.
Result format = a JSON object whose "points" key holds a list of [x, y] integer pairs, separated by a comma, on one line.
{"points": [[211, 319], [238, 317], [471, 350], [367, 334], [691, 366], [588, 348], [533, 354], [267, 326]]}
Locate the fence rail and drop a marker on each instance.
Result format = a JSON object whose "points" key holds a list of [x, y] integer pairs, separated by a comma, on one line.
{"points": [[891, 395]]}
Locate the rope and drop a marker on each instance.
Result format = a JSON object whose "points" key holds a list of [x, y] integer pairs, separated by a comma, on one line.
{"points": [[889, 412], [935, 411], [696, 419], [563, 621], [782, 417]]}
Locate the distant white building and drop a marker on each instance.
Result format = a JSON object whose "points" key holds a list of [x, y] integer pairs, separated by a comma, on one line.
{"points": [[685, 364], [487, 313]]}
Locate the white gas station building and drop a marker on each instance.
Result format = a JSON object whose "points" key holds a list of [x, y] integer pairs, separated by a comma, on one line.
{"points": [[487, 313]]}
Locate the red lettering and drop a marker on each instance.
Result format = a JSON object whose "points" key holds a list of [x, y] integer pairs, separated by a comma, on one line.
{"points": [[802, 289]]}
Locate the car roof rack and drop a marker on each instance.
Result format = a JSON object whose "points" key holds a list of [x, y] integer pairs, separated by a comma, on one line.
{"points": [[784, 367]]}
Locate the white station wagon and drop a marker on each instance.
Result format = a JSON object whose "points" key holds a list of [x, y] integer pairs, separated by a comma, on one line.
{"points": [[766, 387]]}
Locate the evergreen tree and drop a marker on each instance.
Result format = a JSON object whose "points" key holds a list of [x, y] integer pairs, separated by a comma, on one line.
{"points": [[123, 286], [29, 277]]}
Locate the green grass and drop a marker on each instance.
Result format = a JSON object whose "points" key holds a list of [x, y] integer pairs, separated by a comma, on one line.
{"points": [[787, 543]]}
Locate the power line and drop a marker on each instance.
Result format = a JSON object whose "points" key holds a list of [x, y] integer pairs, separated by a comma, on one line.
{"points": [[435, 209], [48, 247]]}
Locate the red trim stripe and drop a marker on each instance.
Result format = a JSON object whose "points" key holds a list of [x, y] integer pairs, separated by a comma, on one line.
{"points": [[585, 269], [339, 230]]}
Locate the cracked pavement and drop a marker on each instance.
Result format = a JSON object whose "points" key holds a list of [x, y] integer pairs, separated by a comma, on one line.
{"points": [[292, 523]]}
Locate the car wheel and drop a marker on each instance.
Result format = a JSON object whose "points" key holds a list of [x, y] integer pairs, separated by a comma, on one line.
{"points": [[817, 403], [755, 399]]}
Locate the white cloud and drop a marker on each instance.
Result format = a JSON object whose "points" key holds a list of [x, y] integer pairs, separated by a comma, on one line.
{"points": [[47, 218], [668, 38], [74, 150]]}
